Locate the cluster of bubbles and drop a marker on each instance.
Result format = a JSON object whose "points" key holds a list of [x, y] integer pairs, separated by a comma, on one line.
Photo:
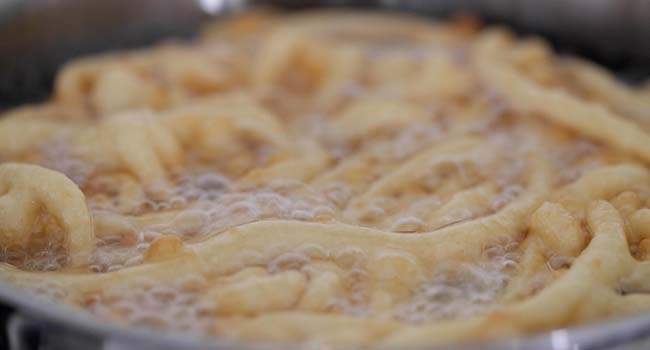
{"points": [[460, 289], [506, 195], [201, 205], [351, 262], [573, 160], [42, 254], [210, 203], [410, 139], [112, 255], [46, 289], [175, 305], [451, 290], [56, 156]]}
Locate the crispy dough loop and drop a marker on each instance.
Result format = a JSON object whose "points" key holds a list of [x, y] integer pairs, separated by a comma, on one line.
{"points": [[632, 103], [23, 129], [585, 117], [603, 183], [596, 271], [257, 295], [433, 158], [133, 141], [156, 79], [225, 127], [554, 233], [558, 231], [28, 190], [553, 219], [372, 115], [291, 39], [235, 125]]}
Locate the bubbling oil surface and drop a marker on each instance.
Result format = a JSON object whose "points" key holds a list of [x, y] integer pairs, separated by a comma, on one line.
{"points": [[366, 181]]}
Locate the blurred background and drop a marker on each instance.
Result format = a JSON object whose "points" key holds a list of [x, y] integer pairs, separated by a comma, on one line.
{"points": [[37, 36]]}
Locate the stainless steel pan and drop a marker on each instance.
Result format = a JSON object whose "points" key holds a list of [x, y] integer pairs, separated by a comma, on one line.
{"points": [[36, 36], [37, 324]]}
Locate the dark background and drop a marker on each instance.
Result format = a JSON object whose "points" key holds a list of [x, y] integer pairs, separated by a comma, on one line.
{"points": [[37, 36]]}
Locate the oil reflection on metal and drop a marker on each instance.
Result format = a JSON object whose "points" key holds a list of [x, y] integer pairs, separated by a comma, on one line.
{"points": [[560, 340], [221, 7]]}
